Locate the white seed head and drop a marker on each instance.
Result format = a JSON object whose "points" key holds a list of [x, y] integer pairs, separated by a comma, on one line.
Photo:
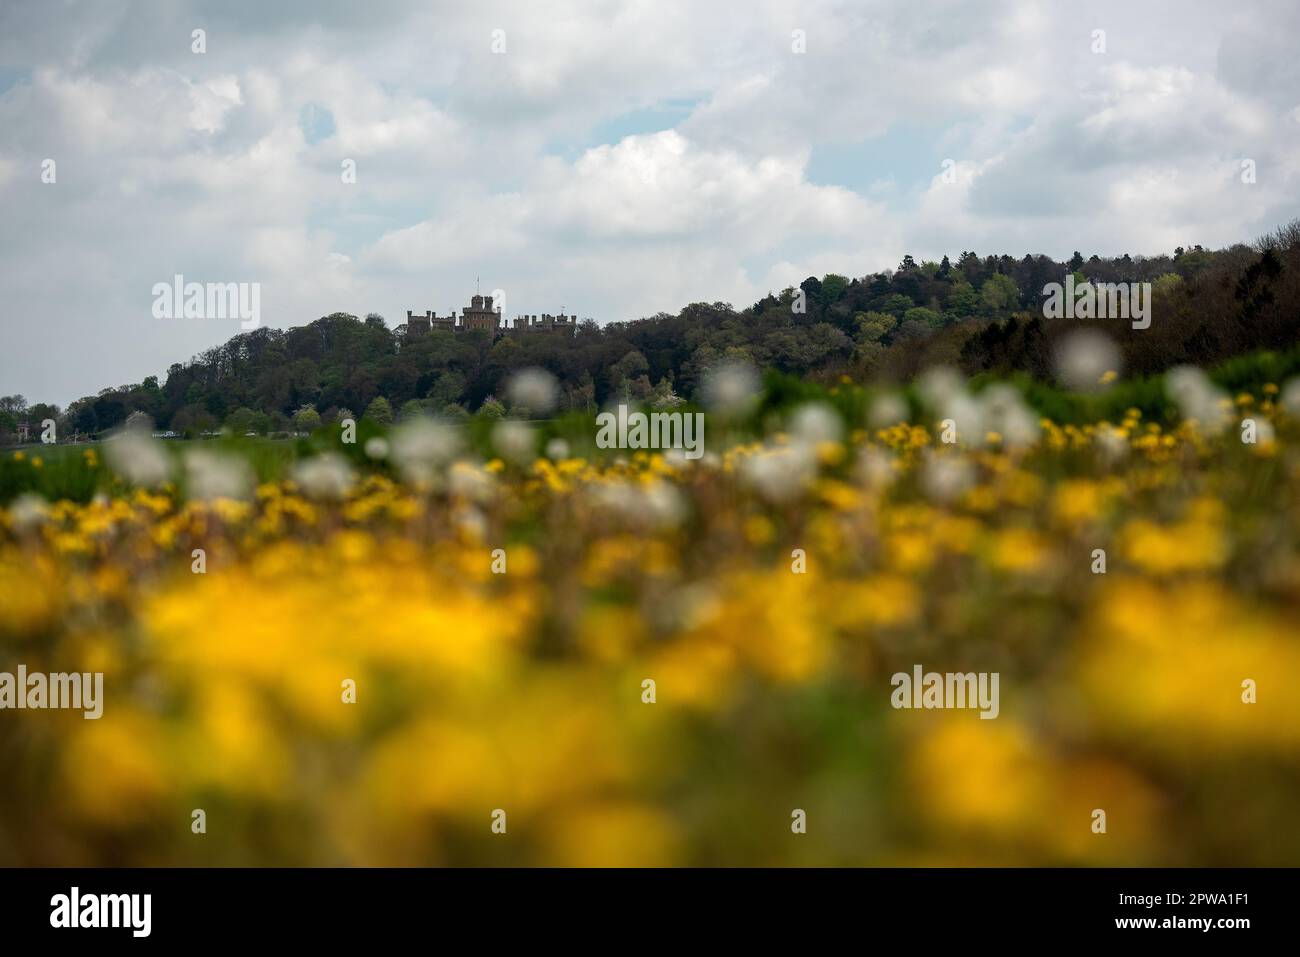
{"points": [[1084, 357], [816, 423], [420, 447], [514, 441], [328, 476], [212, 475], [533, 389], [938, 385], [731, 388], [779, 474], [138, 457], [1291, 396], [945, 477], [888, 408], [27, 511], [1198, 398]]}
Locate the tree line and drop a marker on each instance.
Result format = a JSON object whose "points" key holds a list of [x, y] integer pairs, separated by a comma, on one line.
{"points": [[981, 315]]}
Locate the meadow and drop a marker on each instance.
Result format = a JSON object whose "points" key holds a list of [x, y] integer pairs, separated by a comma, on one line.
{"points": [[389, 647]]}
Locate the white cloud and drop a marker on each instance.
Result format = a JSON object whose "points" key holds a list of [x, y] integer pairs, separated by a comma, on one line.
{"points": [[474, 164], [212, 100]]}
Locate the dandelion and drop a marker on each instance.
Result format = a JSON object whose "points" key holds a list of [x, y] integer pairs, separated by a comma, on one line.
{"points": [[1087, 360], [1291, 396], [1004, 411], [27, 511], [138, 458], [514, 441], [533, 392], [213, 475], [1197, 398], [780, 473], [731, 388], [327, 476], [945, 477], [887, 409], [938, 385], [815, 425], [421, 448]]}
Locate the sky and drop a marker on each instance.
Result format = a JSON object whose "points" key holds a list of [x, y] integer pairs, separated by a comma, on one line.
{"points": [[611, 159]]}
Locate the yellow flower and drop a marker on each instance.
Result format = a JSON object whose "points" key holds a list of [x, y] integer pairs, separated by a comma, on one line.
{"points": [[1020, 551], [1171, 663], [131, 756], [611, 834], [1198, 543], [1077, 501]]}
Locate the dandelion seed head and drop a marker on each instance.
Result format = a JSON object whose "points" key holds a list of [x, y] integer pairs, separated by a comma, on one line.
{"points": [[731, 388], [514, 440], [533, 389], [327, 477], [214, 475], [138, 457], [1084, 359]]}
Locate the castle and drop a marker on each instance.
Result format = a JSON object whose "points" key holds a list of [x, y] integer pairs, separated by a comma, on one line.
{"points": [[479, 314]]}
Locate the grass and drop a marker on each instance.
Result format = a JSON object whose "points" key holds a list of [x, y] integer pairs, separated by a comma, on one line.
{"points": [[77, 472]]}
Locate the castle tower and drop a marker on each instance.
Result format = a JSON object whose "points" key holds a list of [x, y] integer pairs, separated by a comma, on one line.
{"points": [[479, 314]]}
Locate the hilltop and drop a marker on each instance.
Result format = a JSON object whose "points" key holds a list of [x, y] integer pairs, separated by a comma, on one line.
{"points": [[980, 315]]}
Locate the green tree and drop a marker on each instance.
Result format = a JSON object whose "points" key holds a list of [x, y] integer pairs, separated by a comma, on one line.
{"points": [[833, 286], [664, 396], [928, 316], [999, 293], [962, 300], [897, 304], [874, 326], [306, 419], [629, 377], [240, 421], [1166, 284], [447, 388], [379, 411], [13, 404]]}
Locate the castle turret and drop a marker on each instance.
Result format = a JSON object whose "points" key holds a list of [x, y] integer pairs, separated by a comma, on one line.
{"points": [[484, 313], [480, 316]]}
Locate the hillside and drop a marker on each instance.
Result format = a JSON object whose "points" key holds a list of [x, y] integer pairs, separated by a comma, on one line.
{"points": [[980, 315]]}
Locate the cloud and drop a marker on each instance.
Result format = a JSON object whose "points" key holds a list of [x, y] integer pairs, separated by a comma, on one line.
{"points": [[226, 166], [684, 218]]}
